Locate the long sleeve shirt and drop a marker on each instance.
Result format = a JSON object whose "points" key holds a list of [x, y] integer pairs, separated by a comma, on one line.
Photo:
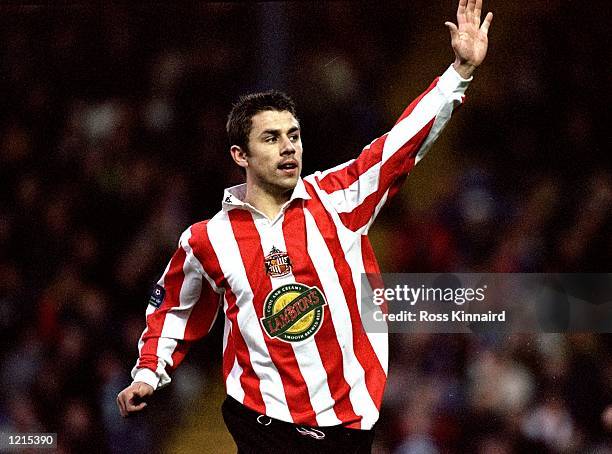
{"points": [[294, 347]]}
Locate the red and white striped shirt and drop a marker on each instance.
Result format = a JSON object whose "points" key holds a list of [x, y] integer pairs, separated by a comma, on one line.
{"points": [[294, 347]]}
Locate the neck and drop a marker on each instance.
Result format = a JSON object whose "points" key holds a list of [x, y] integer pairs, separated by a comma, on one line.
{"points": [[268, 202]]}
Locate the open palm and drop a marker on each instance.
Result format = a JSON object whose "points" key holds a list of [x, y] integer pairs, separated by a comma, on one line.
{"points": [[469, 37]]}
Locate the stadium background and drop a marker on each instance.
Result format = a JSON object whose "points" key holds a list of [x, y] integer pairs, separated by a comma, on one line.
{"points": [[112, 142]]}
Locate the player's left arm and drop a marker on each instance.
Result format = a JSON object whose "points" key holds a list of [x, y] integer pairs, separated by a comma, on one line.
{"points": [[358, 189]]}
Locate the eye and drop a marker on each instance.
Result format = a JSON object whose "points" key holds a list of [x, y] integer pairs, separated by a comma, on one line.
{"points": [[270, 139], [294, 138]]}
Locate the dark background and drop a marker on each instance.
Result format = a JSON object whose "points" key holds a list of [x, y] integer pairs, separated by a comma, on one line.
{"points": [[112, 142]]}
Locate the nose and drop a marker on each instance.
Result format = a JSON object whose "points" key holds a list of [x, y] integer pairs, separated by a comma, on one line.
{"points": [[288, 147]]}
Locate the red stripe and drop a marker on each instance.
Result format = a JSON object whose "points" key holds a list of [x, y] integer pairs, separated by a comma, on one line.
{"points": [[374, 373], [203, 315], [229, 355], [205, 311], [248, 379], [392, 174], [344, 177], [294, 231], [370, 265], [173, 281], [281, 353], [202, 249]]}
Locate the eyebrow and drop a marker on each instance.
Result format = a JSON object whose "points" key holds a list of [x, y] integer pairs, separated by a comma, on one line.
{"points": [[276, 132]]}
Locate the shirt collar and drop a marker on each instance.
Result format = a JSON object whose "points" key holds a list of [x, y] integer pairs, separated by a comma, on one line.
{"points": [[233, 197]]}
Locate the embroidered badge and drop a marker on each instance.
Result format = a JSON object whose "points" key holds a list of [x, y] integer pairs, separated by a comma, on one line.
{"points": [[156, 298], [277, 263], [293, 312]]}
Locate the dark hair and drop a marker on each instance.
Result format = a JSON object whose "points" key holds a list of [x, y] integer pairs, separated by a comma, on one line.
{"points": [[239, 119]]}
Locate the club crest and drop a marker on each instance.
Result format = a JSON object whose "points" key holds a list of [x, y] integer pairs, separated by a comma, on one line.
{"points": [[277, 263]]}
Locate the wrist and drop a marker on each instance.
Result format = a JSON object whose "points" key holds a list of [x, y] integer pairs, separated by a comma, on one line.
{"points": [[464, 69]]}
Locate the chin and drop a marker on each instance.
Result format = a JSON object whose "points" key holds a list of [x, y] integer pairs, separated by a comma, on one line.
{"points": [[288, 185]]}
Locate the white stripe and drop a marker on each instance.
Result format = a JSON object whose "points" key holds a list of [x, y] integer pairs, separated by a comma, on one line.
{"points": [[191, 258], [379, 341], [353, 371], [176, 318], [165, 348], [439, 123], [306, 352], [423, 113], [226, 249], [346, 200], [350, 242], [227, 326], [233, 385]]}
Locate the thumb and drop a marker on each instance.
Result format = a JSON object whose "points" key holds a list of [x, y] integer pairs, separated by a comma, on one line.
{"points": [[452, 28]]}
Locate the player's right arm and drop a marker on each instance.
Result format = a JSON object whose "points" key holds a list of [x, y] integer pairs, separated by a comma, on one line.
{"points": [[182, 309]]}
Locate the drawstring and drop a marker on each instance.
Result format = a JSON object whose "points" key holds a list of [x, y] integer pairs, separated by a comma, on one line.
{"points": [[314, 433], [311, 432]]}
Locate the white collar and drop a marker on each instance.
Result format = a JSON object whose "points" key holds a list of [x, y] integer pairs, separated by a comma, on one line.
{"points": [[233, 197]]}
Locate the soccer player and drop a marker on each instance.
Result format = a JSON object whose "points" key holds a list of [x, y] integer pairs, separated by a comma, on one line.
{"points": [[284, 258]]}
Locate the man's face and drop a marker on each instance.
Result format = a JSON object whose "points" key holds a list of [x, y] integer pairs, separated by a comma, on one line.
{"points": [[275, 151]]}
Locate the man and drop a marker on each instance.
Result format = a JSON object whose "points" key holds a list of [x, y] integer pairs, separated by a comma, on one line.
{"points": [[284, 258]]}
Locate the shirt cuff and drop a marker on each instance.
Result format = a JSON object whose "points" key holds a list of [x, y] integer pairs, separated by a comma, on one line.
{"points": [[146, 376], [452, 84]]}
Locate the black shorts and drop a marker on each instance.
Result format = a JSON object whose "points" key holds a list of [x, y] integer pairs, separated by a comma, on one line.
{"points": [[255, 433]]}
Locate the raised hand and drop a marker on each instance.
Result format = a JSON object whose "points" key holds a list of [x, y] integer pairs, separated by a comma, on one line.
{"points": [[469, 37]]}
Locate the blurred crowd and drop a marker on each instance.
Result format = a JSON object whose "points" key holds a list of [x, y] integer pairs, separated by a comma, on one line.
{"points": [[112, 141]]}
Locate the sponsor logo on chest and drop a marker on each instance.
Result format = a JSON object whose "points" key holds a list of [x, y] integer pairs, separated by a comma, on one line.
{"points": [[293, 312]]}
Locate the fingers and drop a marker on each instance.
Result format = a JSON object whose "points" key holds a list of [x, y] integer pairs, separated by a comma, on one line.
{"points": [[121, 404], [133, 408], [126, 403], [477, 12], [461, 11], [486, 23], [126, 400], [469, 11]]}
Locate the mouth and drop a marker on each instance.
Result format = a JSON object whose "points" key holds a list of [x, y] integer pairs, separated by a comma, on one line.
{"points": [[288, 167]]}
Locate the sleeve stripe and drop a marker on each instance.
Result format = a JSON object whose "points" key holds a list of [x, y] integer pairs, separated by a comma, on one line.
{"points": [[203, 249], [415, 118], [348, 174], [345, 200]]}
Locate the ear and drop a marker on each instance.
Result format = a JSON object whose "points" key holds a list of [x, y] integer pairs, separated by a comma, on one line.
{"points": [[239, 156]]}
